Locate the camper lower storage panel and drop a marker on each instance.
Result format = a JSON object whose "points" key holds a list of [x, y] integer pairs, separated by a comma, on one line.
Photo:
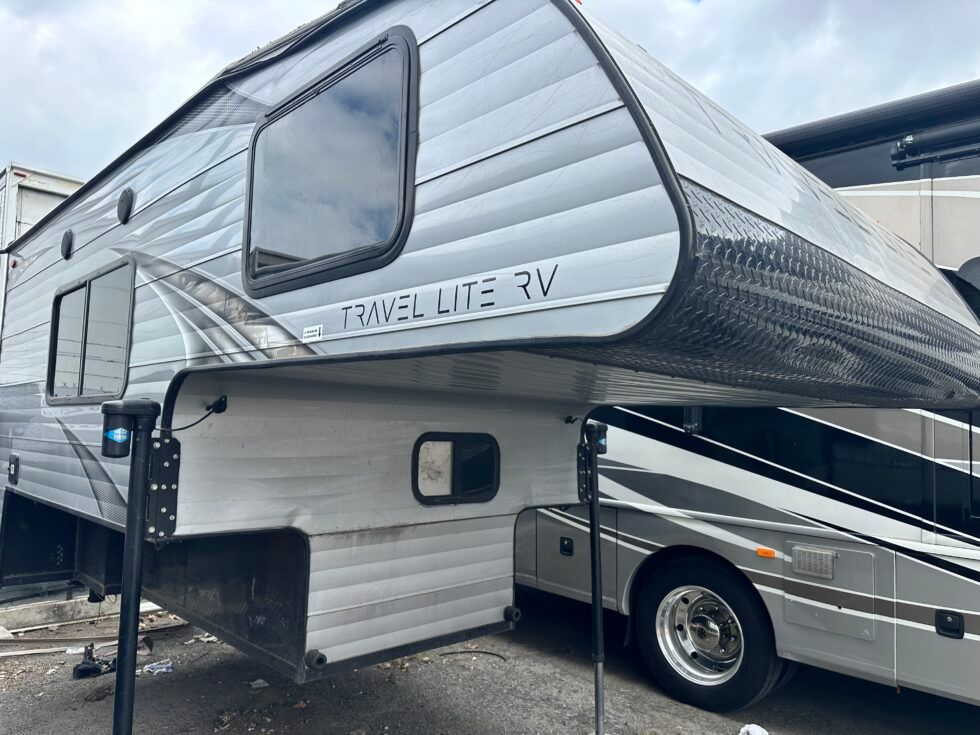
{"points": [[355, 597], [382, 592]]}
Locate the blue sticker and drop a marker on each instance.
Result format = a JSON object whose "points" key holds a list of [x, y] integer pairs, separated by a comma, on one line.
{"points": [[119, 435]]}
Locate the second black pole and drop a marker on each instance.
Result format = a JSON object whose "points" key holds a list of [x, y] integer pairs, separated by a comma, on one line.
{"points": [[594, 444]]}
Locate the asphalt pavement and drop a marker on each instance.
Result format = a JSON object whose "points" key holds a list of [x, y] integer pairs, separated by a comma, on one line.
{"points": [[534, 680]]}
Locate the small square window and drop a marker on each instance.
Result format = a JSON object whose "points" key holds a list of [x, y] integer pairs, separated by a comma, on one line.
{"points": [[455, 468]]}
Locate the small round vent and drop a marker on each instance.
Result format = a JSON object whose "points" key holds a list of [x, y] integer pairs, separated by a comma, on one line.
{"points": [[124, 208], [67, 243]]}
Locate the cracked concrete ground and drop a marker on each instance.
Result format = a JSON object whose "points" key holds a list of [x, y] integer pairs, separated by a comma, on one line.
{"points": [[542, 684]]}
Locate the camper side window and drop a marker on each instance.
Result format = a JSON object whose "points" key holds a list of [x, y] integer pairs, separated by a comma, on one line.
{"points": [[455, 468], [329, 173], [90, 332]]}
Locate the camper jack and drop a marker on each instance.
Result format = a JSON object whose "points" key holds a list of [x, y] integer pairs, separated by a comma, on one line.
{"points": [[592, 445]]}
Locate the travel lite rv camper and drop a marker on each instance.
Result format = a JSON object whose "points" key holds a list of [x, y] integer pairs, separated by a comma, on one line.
{"points": [[873, 515], [371, 270]]}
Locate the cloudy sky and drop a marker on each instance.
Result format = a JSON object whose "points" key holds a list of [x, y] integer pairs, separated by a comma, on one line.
{"points": [[82, 80]]}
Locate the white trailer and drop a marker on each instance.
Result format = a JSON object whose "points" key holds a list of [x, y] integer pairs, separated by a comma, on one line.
{"points": [[26, 196]]}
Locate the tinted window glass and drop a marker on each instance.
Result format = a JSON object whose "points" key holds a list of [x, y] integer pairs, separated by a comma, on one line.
{"points": [[969, 166], [476, 467], [91, 324], [326, 176], [107, 334], [69, 319], [967, 282], [871, 164]]}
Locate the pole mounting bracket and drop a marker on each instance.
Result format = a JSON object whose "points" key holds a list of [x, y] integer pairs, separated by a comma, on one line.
{"points": [[161, 512]]}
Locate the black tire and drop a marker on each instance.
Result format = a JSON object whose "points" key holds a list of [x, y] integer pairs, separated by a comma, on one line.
{"points": [[759, 669], [789, 668]]}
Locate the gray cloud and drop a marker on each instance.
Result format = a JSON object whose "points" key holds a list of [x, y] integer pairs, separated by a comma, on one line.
{"points": [[84, 79]]}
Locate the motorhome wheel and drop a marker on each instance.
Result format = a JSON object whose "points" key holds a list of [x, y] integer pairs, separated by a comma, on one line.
{"points": [[705, 636]]}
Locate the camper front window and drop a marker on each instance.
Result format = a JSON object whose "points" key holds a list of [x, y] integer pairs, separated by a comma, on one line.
{"points": [[327, 174]]}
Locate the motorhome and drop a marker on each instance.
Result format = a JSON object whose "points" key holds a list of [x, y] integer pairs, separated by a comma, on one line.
{"points": [[377, 273], [847, 539]]}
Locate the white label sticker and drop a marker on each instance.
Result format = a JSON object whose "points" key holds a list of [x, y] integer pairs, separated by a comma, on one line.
{"points": [[312, 333]]}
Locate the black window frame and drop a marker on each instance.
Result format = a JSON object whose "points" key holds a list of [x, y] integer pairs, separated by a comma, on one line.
{"points": [[452, 498], [332, 267], [84, 282]]}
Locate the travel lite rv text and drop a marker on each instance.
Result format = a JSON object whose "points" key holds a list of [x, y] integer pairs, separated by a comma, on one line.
{"points": [[370, 271], [873, 515]]}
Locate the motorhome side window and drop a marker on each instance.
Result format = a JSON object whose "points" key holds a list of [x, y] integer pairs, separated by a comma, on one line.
{"points": [[90, 330], [328, 175], [455, 468]]}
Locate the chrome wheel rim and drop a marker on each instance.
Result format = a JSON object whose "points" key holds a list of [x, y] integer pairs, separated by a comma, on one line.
{"points": [[699, 635]]}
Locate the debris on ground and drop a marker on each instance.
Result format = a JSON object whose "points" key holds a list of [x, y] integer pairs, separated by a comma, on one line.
{"points": [[165, 666], [752, 730], [498, 655], [92, 665], [145, 646], [225, 719], [258, 684], [202, 638]]}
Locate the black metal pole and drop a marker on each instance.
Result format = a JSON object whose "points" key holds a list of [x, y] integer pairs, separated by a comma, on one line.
{"points": [[594, 444], [141, 417], [598, 643]]}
